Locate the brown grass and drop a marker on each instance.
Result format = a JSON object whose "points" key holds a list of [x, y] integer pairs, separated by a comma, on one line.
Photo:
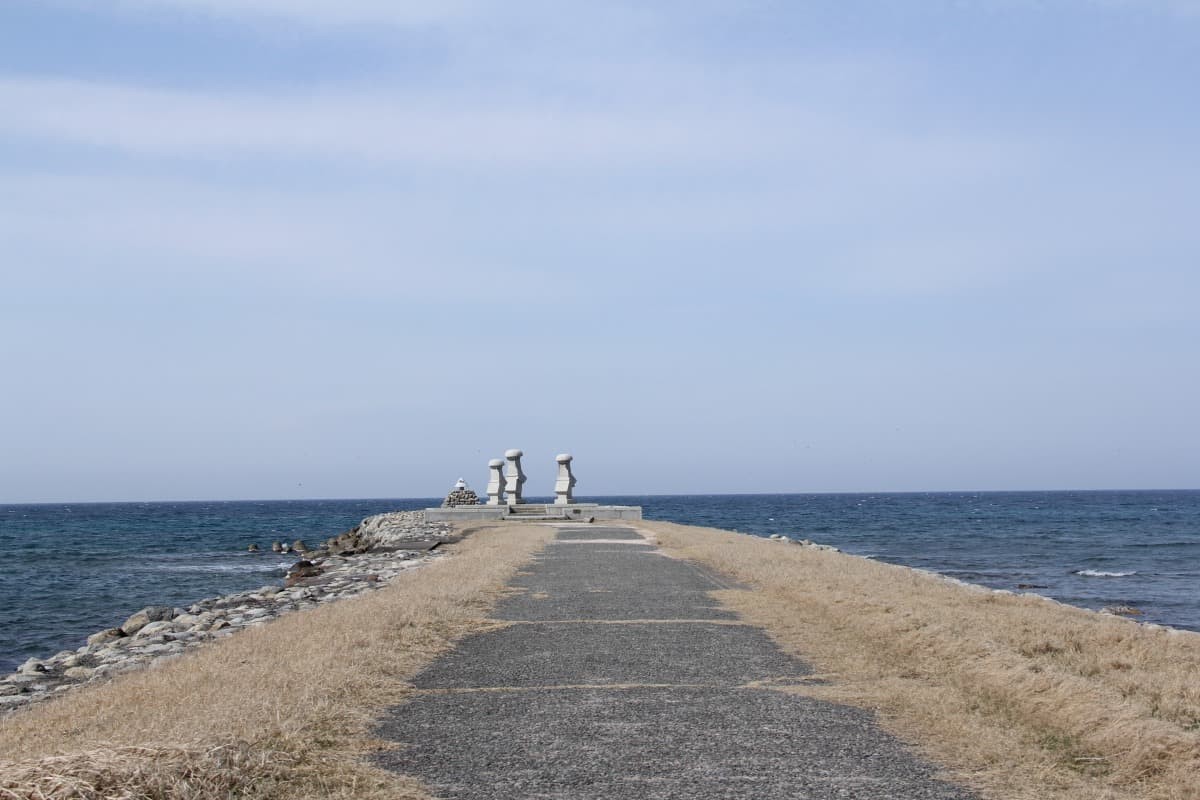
{"points": [[1021, 697], [279, 711]]}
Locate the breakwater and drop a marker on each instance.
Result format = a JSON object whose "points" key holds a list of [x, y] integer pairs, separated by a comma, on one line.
{"points": [[1138, 550], [364, 558], [71, 570]]}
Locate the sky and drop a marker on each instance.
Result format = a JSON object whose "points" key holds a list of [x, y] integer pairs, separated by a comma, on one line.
{"points": [[280, 249]]}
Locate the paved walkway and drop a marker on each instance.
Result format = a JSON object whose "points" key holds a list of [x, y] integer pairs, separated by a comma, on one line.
{"points": [[620, 678]]}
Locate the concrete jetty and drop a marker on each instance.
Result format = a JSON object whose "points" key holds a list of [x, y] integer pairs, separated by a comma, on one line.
{"points": [[614, 674]]}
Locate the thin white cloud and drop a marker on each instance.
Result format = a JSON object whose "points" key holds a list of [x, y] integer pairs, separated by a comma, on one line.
{"points": [[734, 173], [398, 13], [430, 130], [422, 13], [363, 127]]}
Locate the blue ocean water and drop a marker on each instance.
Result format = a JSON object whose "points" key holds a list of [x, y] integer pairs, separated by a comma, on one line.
{"points": [[73, 569]]}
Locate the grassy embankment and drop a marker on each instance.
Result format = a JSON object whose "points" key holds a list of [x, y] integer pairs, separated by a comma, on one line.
{"points": [[279, 711], [1019, 696]]}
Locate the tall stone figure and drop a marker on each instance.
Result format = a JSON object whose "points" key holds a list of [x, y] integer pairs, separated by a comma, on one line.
{"points": [[514, 479], [565, 482], [495, 487]]}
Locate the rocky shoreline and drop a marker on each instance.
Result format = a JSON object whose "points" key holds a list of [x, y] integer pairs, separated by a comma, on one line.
{"points": [[364, 558]]}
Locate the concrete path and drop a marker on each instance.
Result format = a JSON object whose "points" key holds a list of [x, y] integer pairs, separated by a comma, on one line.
{"points": [[620, 678]]}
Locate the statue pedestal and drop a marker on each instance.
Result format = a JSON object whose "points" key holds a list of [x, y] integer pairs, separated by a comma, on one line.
{"points": [[534, 512]]}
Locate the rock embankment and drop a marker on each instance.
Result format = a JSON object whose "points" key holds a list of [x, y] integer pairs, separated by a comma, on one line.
{"points": [[366, 557]]}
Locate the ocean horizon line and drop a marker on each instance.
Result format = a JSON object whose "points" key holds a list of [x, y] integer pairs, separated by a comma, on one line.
{"points": [[436, 499]]}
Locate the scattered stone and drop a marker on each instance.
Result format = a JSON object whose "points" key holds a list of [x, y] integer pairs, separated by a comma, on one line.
{"points": [[79, 673], [8, 690], [23, 681], [155, 628], [301, 570], [349, 543], [253, 548], [299, 546], [276, 547], [105, 637], [1122, 611], [32, 667], [144, 617]]}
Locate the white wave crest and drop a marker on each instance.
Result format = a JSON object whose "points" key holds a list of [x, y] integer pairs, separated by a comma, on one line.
{"points": [[261, 566], [1095, 573]]}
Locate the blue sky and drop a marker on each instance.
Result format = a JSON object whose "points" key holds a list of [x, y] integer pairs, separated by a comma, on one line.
{"points": [[290, 248]]}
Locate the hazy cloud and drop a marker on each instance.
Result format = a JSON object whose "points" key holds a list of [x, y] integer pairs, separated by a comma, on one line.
{"points": [[715, 228], [313, 12]]}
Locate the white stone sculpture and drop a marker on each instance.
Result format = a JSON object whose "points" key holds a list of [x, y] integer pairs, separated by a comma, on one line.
{"points": [[565, 482], [495, 487], [514, 479]]}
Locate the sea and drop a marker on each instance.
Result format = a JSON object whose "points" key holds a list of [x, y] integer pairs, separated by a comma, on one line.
{"points": [[71, 569]]}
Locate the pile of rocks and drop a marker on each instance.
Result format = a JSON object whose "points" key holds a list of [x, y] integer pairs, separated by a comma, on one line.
{"points": [[157, 633], [461, 495]]}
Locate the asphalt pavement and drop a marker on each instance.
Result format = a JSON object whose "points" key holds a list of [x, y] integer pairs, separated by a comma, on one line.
{"points": [[618, 676]]}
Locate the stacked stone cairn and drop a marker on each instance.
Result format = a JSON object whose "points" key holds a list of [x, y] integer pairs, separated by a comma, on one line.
{"points": [[461, 495], [362, 559]]}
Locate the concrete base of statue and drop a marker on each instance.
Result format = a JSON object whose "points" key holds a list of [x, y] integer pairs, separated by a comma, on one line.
{"points": [[533, 512]]}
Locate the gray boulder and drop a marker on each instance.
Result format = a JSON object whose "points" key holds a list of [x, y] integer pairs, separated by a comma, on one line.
{"points": [[32, 667], [352, 542], [105, 636], [144, 617], [162, 626], [301, 570]]}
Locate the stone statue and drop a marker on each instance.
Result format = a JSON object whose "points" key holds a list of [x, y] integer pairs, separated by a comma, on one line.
{"points": [[495, 487], [514, 479], [565, 482]]}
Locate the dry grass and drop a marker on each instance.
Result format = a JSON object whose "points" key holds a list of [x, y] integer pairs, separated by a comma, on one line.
{"points": [[279, 711], [1020, 696]]}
